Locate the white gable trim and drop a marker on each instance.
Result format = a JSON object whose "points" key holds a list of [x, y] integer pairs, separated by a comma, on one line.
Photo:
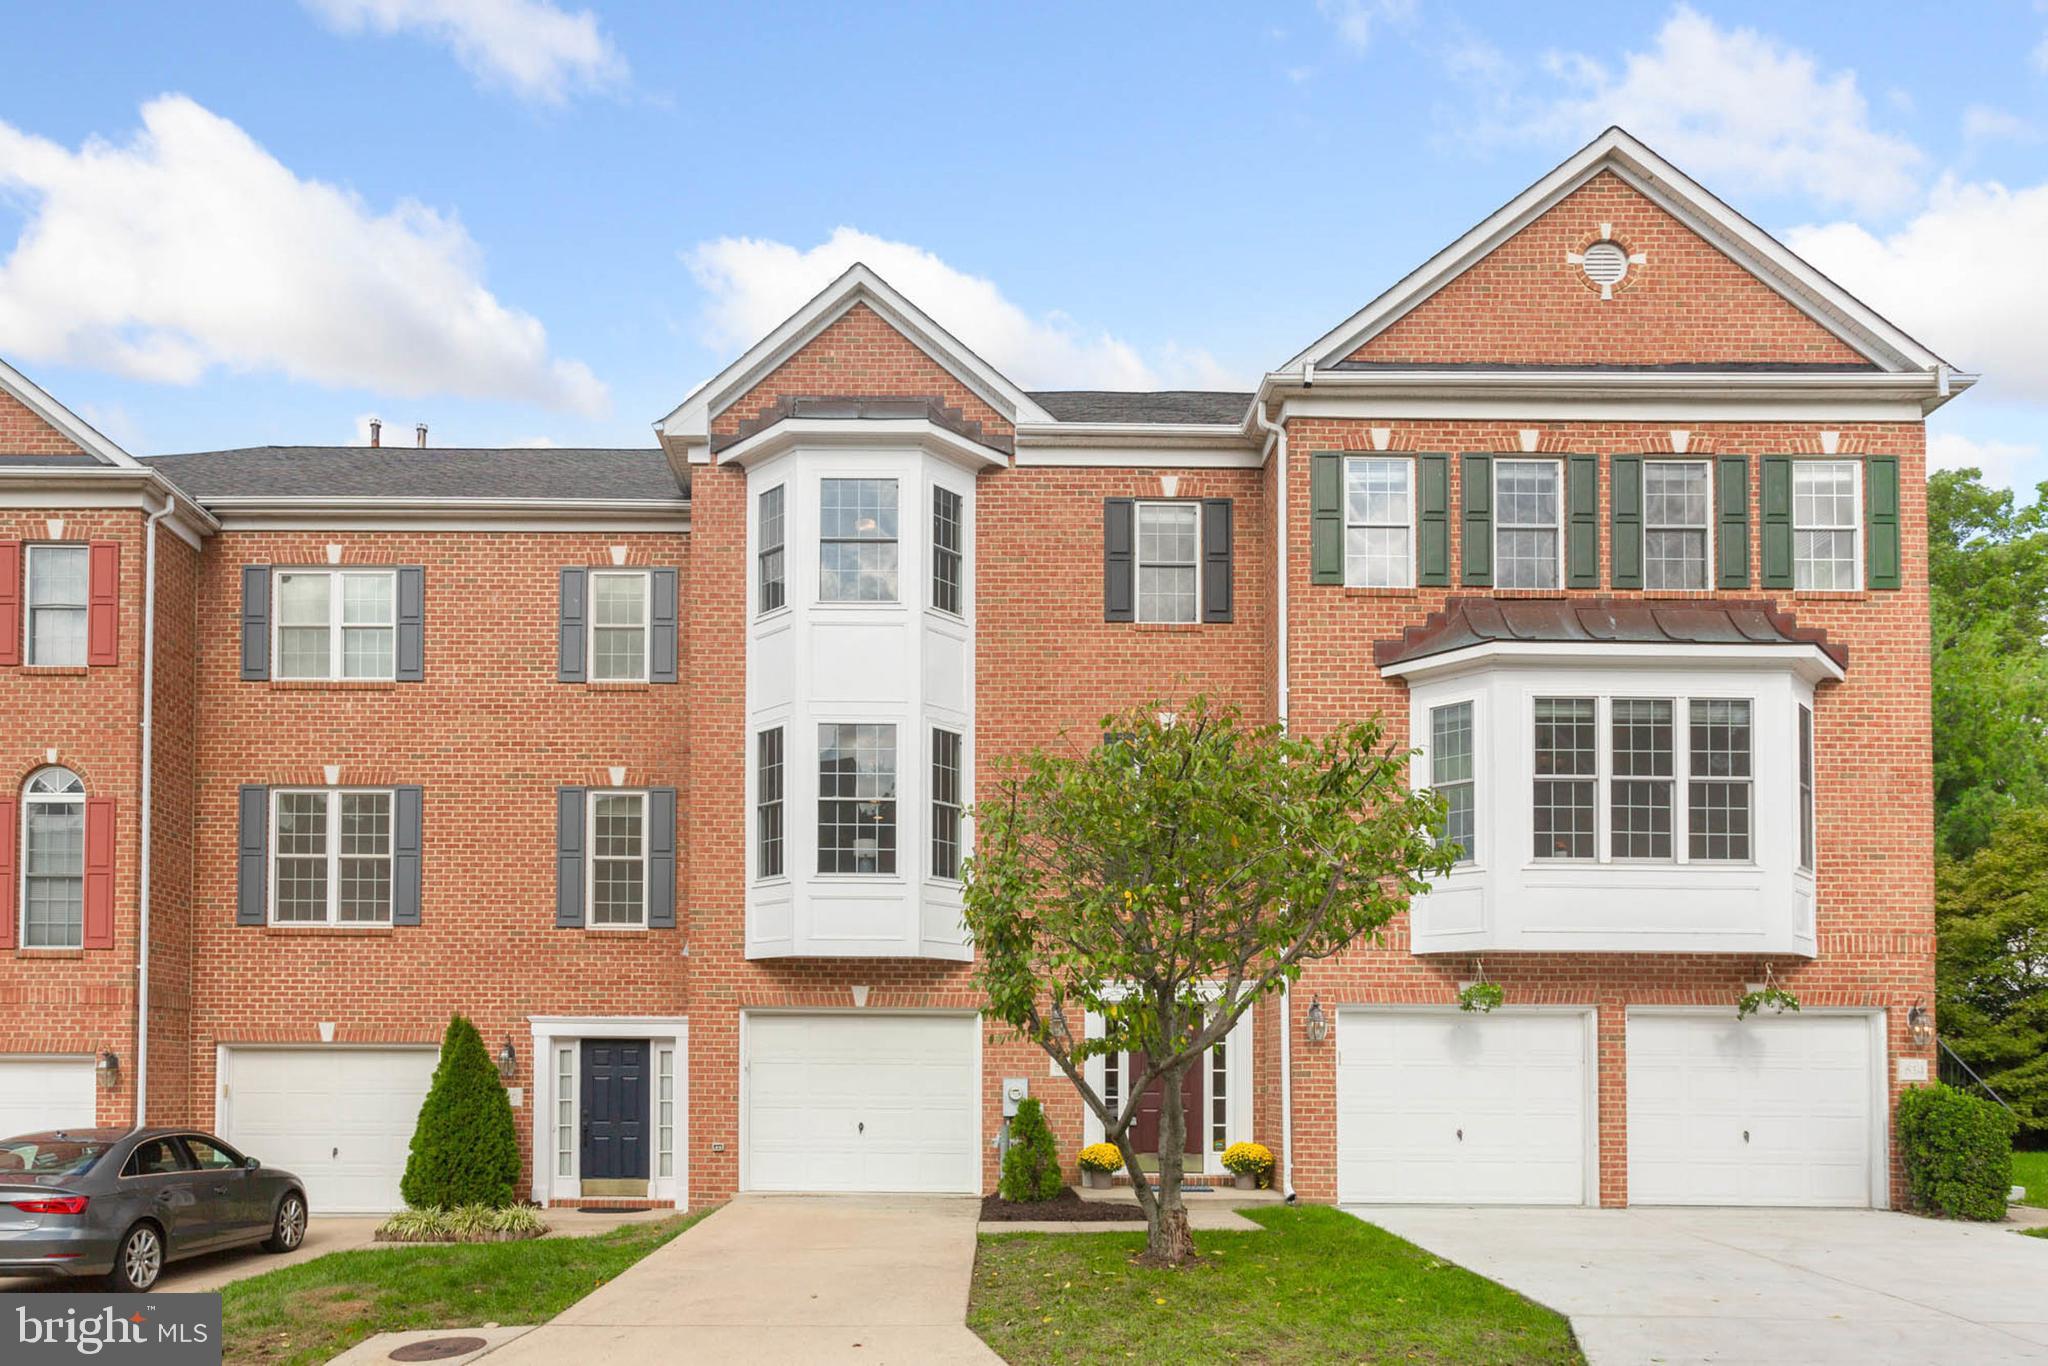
{"points": [[38, 401], [1769, 260], [690, 423]]}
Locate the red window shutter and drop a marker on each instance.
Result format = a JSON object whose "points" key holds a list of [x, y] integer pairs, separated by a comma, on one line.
{"points": [[10, 607], [103, 604], [10, 880], [99, 872]]}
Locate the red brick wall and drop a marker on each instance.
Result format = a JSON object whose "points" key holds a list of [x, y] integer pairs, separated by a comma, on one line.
{"points": [[23, 433]]}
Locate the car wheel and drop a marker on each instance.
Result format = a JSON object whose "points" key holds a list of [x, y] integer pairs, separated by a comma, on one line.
{"points": [[139, 1261], [288, 1230]]}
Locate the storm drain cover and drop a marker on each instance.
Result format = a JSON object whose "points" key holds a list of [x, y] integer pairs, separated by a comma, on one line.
{"points": [[437, 1349]]}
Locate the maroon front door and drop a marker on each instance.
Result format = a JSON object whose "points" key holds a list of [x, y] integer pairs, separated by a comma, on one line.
{"points": [[1145, 1128]]}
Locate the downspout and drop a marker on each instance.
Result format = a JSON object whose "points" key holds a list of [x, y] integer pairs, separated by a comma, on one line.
{"points": [[148, 731], [1276, 443]]}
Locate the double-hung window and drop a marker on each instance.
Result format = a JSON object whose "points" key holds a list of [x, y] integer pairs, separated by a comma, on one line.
{"points": [[947, 507], [330, 856], [619, 609], [618, 860], [1567, 777], [1528, 537], [945, 803], [1720, 797], [337, 623], [1676, 508], [1648, 767], [58, 577], [857, 546], [1169, 535], [1826, 523], [1379, 532], [53, 860], [1639, 796], [768, 802], [1450, 773], [769, 535], [857, 798], [1806, 811]]}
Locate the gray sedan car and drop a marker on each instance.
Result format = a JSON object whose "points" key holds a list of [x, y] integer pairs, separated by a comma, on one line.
{"points": [[120, 1203]]}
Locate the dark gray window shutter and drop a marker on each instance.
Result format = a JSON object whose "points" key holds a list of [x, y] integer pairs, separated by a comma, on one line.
{"points": [[1625, 539], [1216, 559], [569, 665], [1119, 559], [1582, 529], [569, 807], [1326, 517], [1475, 499], [661, 642], [252, 856], [1777, 528], [1731, 495], [1881, 502], [412, 621], [405, 855], [255, 622], [661, 858], [1433, 506]]}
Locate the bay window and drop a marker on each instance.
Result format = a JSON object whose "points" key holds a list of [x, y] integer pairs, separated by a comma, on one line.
{"points": [[1450, 773], [857, 551], [857, 798], [1640, 775]]}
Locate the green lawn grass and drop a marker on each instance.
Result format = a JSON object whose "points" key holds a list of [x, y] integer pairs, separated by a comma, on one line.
{"points": [[2031, 1170], [299, 1315], [1317, 1286]]}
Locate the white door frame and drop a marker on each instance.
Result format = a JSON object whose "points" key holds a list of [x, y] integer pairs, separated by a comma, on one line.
{"points": [[856, 1012], [1879, 1151], [1589, 1016], [1238, 1107], [670, 1032]]}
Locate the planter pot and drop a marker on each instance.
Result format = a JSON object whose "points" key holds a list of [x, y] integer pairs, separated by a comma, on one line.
{"points": [[1247, 1181], [1095, 1180]]}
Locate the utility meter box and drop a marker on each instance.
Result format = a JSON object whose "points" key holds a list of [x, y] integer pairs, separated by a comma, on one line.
{"points": [[1014, 1091]]}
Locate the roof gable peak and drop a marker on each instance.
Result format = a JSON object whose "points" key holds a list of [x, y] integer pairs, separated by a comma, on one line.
{"points": [[80, 432]]}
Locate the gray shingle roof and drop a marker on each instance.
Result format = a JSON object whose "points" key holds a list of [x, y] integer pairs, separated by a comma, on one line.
{"points": [[1167, 405], [452, 473]]}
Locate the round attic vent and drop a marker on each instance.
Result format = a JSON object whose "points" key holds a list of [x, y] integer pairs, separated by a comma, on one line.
{"points": [[1605, 263]]}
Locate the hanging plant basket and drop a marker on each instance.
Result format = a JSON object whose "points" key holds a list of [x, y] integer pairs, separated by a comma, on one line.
{"points": [[1769, 1001], [1481, 998]]}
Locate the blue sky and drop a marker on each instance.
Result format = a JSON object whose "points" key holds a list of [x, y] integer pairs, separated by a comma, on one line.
{"points": [[544, 220]]}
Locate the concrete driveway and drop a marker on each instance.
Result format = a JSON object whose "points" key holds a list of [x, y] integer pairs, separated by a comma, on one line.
{"points": [[768, 1279], [1819, 1286]]}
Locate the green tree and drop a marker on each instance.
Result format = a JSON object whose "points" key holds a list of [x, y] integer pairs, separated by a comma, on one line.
{"points": [[465, 1149], [1168, 878], [1031, 1168], [1991, 919]]}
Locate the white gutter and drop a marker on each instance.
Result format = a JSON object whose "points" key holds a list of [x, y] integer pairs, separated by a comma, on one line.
{"points": [[148, 785], [1276, 442], [1286, 1091]]}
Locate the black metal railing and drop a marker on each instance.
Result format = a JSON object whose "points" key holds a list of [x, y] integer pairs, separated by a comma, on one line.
{"points": [[1953, 1071]]}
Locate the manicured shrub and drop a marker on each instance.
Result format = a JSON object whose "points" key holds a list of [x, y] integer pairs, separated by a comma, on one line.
{"points": [[465, 1150], [1031, 1169], [1957, 1150]]}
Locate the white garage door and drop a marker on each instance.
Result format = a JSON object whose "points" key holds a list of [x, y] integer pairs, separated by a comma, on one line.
{"points": [[340, 1118], [45, 1093], [1442, 1107], [862, 1103], [1771, 1111]]}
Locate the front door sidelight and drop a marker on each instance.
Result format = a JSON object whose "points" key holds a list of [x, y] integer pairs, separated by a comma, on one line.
{"points": [[614, 1138]]}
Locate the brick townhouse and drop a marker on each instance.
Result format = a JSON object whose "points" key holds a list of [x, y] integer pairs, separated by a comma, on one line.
{"points": [[655, 762]]}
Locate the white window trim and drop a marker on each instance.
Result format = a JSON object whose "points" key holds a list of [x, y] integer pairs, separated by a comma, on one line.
{"points": [[591, 856], [959, 553], [1805, 797], [1708, 528], [959, 804], [1352, 461], [1138, 559], [818, 525], [553, 1032], [1502, 461], [28, 607], [756, 832], [21, 886], [335, 648], [762, 549], [818, 800], [1239, 1059], [662, 1151], [1855, 527], [591, 627], [333, 797], [1474, 860]]}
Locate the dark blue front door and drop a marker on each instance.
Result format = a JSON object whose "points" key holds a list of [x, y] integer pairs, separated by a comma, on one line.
{"points": [[614, 1109]]}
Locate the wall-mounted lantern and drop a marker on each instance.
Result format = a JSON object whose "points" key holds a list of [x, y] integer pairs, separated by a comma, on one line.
{"points": [[1920, 1025], [1316, 1024], [508, 1059], [109, 1070]]}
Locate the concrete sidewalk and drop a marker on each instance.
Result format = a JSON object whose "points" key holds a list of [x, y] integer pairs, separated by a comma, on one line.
{"points": [[768, 1280]]}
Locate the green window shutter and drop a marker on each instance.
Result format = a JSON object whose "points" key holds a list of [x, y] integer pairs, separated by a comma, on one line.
{"points": [[1582, 524], [1777, 530], [1475, 501], [1881, 508], [1433, 505], [1731, 495], [1326, 517], [1625, 487]]}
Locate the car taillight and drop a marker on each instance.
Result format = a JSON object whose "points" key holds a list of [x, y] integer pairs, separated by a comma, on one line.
{"points": [[56, 1204]]}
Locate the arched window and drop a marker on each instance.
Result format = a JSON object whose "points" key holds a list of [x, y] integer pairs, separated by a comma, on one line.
{"points": [[53, 860]]}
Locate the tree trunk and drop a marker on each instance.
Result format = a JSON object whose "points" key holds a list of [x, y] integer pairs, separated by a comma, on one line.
{"points": [[1168, 1239]]}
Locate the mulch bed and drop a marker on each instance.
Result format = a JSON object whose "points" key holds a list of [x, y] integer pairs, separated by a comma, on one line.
{"points": [[1066, 1207]]}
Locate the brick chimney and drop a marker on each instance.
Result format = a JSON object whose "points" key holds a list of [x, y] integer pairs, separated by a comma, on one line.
{"points": [[376, 432], [420, 436]]}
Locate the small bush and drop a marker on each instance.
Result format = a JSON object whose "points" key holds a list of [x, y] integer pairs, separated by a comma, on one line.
{"points": [[1957, 1150], [466, 1224], [465, 1150], [1101, 1157], [1248, 1159], [1031, 1169]]}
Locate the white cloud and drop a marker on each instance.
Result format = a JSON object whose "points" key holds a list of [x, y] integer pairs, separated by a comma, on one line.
{"points": [[1355, 20], [1737, 108], [192, 248], [1982, 123], [1966, 275], [2000, 461], [754, 284], [529, 47]]}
